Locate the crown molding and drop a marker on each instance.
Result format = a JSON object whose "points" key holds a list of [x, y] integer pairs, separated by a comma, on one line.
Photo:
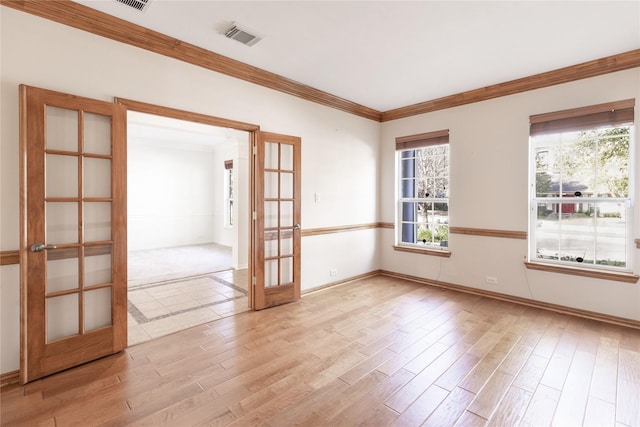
{"points": [[93, 21], [84, 18], [597, 67]]}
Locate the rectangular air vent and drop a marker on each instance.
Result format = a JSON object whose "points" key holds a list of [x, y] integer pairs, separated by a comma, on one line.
{"points": [[242, 35], [136, 4]]}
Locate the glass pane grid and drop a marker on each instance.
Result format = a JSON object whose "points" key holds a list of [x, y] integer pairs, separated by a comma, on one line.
{"points": [[286, 157], [97, 177], [97, 221], [97, 134], [97, 270], [424, 222], [62, 316], [61, 129], [279, 179], [271, 156], [62, 271], [61, 176], [424, 191], [271, 273], [78, 191], [582, 233], [97, 308], [286, 270], [594, 163]]}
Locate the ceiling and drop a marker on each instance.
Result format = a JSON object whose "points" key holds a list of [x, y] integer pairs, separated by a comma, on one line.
{"points": [[391, 54], [172, 133]]}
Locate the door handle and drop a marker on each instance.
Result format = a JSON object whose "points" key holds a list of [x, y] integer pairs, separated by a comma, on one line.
{"points": [[297, 227], [39, 247]]}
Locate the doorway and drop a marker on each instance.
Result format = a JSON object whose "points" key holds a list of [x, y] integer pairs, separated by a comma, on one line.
{"points": [[187, 216], [73, 228]]}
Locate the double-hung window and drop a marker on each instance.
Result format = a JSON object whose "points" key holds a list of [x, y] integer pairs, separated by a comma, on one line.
{"points": [[580, 192], [228, 193], [423, 190]]}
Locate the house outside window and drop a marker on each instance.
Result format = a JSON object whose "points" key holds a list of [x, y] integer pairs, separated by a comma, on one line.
{"points": [[581, 196], [228, 193], [423, 190]]}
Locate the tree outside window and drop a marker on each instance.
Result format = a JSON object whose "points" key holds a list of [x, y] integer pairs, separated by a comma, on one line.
{"points": [[424, 196], [581, 202]]}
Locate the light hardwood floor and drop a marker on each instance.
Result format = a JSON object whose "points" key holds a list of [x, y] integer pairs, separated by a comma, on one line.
{"points": [[379, 351]]}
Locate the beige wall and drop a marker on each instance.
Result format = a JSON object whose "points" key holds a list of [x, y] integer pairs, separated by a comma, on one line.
{"points": [[488, 189], [42, 53], [348, 161]]}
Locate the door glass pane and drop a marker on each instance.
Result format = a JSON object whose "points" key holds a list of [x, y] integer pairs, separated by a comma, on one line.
{"points": [[62, 270], [97, 177], [97, 308], [271, 155], [286, 270], [286, 157], [286, 185], [61, 176], [62, 317], [97, 220], [271, 185], [271, 273], [286, 242], [97, 134], [286, 214], [97, 269], [62, 129], [270, 214], [271, 244], [62, 223]]}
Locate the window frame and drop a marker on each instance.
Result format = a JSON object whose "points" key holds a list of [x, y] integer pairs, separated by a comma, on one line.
{"points": [[416, 142], [228, 193], [596, 117]]}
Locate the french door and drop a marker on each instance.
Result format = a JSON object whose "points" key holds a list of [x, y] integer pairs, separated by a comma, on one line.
{"points": [[73, 257], [276, 220]]}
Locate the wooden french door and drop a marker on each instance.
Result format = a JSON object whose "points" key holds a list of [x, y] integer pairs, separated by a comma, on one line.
{"points": [[276, 222], [73, 257]]}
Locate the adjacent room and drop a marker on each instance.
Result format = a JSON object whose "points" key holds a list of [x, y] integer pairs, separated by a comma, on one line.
{"points": [[187, 220]]}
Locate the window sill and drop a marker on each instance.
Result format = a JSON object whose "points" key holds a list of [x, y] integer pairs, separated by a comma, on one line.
{"points": [[594, 274], [423, 251]]}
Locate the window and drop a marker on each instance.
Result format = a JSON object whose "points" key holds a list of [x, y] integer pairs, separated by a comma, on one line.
{"points": [[228, 193], [581, 195], [423, 190]]}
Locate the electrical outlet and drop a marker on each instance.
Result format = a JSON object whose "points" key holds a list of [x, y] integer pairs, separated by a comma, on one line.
{"points": [[491, 280], [333, 272]]}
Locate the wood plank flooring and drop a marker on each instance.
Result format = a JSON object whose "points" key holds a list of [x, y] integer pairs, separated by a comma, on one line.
{"points": [[378, 352]]}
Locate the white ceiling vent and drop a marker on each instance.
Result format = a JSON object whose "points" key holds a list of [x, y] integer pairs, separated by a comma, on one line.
{"points": [[136, 4], [242, 35]]}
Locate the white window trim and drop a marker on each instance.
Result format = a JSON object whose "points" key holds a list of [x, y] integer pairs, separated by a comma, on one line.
{"points": [[228, 213], [598, 270], [408, 143]]}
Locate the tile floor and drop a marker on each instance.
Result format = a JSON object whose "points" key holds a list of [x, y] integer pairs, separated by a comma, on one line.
{"points": [[160, 265], [161, 308]]}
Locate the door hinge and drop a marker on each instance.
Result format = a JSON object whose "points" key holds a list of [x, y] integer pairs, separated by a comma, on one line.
{"points": [[253, 280], [255, 150], [254, 215]]}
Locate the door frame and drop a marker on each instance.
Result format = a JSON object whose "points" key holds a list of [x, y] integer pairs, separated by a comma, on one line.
{"points": [[252, 129], [131, 105]]}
